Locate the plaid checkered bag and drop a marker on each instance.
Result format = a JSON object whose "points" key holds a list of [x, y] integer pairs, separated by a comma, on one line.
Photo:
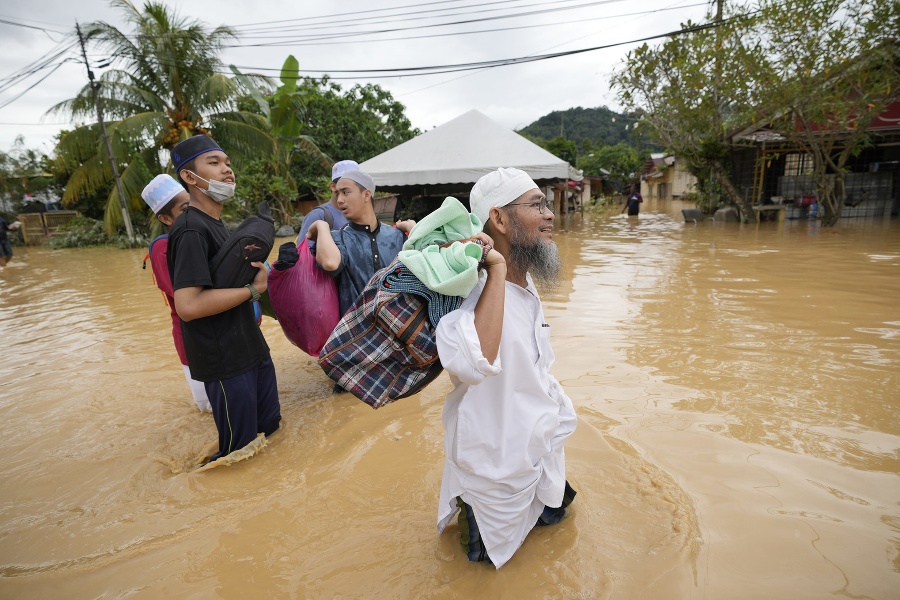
{"points": [[384, 348]]}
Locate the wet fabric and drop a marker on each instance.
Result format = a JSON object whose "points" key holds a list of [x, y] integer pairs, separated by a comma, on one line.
{"points": [[470, 536], [451, 270], [159, 267], [244, 406]]}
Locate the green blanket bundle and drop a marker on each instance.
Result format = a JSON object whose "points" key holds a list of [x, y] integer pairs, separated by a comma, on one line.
{"points": [[452, 270]]}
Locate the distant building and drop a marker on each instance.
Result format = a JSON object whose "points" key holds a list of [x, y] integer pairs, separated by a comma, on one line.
{"points": [[665, 178], [768, 170]]}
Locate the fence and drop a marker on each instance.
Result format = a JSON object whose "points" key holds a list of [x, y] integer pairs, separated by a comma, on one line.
{"points": [[37, 227]]}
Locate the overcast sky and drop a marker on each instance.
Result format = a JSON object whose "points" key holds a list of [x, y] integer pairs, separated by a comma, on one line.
{"points": [[512, 95]]}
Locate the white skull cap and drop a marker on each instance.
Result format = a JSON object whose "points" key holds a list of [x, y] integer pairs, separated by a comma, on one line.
{"points": [[498, 188], [160, 191]]}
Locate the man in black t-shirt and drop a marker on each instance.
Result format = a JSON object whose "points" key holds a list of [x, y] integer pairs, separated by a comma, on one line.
{"points": [[225, 348]]}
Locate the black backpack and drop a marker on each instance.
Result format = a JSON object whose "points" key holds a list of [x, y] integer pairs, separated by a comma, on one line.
{"points": [[252, 241]]}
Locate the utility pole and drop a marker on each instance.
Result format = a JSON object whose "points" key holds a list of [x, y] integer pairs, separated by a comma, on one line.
{"points": [[95, 87], [717, 79]]}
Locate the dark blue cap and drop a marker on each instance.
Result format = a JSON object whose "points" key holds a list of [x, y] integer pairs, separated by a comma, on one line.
{"points": [[189, 149]]}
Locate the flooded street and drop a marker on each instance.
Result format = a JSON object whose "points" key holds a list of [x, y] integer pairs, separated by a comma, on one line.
{"points": [[738, 390]]}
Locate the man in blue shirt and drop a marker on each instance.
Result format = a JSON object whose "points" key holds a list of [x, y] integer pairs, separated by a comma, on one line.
{"points": [[355, 252]]}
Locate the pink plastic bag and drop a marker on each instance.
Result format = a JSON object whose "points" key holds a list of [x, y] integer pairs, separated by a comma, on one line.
{"points": [[305, 300]]}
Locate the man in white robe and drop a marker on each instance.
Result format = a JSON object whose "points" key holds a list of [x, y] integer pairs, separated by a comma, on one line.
{"points": [[507, 418]]}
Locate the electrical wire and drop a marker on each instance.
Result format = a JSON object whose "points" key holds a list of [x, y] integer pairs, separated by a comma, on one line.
{"points": [[356, 13], [343, 24], [371, 74], [417, 27], [497, 29], [452, 68], [367, 74], [473, 73], [30, 87], [35, 67]]}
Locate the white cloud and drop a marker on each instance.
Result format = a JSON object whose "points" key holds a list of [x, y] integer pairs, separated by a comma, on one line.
{"points": [[513, 95]]}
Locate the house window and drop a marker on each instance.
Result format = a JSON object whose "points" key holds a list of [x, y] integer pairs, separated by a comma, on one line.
{"points": [[663, 191], [798, 164]]}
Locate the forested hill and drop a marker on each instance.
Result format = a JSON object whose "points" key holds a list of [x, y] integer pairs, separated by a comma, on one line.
{"points": [[579, 124]]}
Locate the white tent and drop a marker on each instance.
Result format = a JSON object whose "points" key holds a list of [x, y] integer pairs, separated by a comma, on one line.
{"points": [[461, 151]]}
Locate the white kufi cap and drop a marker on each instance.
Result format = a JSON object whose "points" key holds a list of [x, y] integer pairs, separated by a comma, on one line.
{"points": [[498, 188], [160, 192]]}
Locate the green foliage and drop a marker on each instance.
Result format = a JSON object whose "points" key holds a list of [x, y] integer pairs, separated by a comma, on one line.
{"points": [[79, 233], [355, 124], [122, 241], [823, 91], [164, 88], [563, 148], [24, 172], [621, 160], [596, 125], [692, 91], [315, 123], [816, 72], [709, 193], [260, 182], [283, 109]]}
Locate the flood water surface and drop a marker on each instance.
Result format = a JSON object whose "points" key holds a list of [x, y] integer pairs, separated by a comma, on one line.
{"points": [[738, 390]]}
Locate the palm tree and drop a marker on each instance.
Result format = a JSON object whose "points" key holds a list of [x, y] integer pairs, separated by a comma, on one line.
{"points": [[165, 87]]}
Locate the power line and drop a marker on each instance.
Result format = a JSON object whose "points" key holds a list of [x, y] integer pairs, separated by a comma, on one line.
{"points": [[30, 87], [6, 21], [355, 13], [396, 29], [475, 72], [497, 29], [477, 31], [367, 74], [44, 62], [454, 68], [400, 17], [371, 74]]}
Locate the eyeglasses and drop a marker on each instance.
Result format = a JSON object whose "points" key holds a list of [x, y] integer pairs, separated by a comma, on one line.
{"points": [[541, 205]]}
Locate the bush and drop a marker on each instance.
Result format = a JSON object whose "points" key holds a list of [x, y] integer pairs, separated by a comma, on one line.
{"points": [[122, 242], [78, 233]]}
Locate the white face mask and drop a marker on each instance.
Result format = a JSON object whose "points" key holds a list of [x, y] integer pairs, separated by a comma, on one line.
{"points": [[218, 190]]}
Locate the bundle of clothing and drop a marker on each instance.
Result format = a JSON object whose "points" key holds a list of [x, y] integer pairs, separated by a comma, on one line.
{"points": [[384, 349]]}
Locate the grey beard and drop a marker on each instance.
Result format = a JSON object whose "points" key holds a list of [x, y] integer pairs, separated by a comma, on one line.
{"points": [[537, 257]]}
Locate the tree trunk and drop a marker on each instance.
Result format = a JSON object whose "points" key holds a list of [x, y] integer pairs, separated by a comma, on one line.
{"points": [[830, 192], [745, 209]]}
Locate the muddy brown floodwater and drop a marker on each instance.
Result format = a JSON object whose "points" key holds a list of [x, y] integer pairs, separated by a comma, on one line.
{"points": [[738, 390]]}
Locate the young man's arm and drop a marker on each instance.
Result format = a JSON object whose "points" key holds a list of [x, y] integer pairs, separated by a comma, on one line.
{"points": [[328, 256], [198, 302]]}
